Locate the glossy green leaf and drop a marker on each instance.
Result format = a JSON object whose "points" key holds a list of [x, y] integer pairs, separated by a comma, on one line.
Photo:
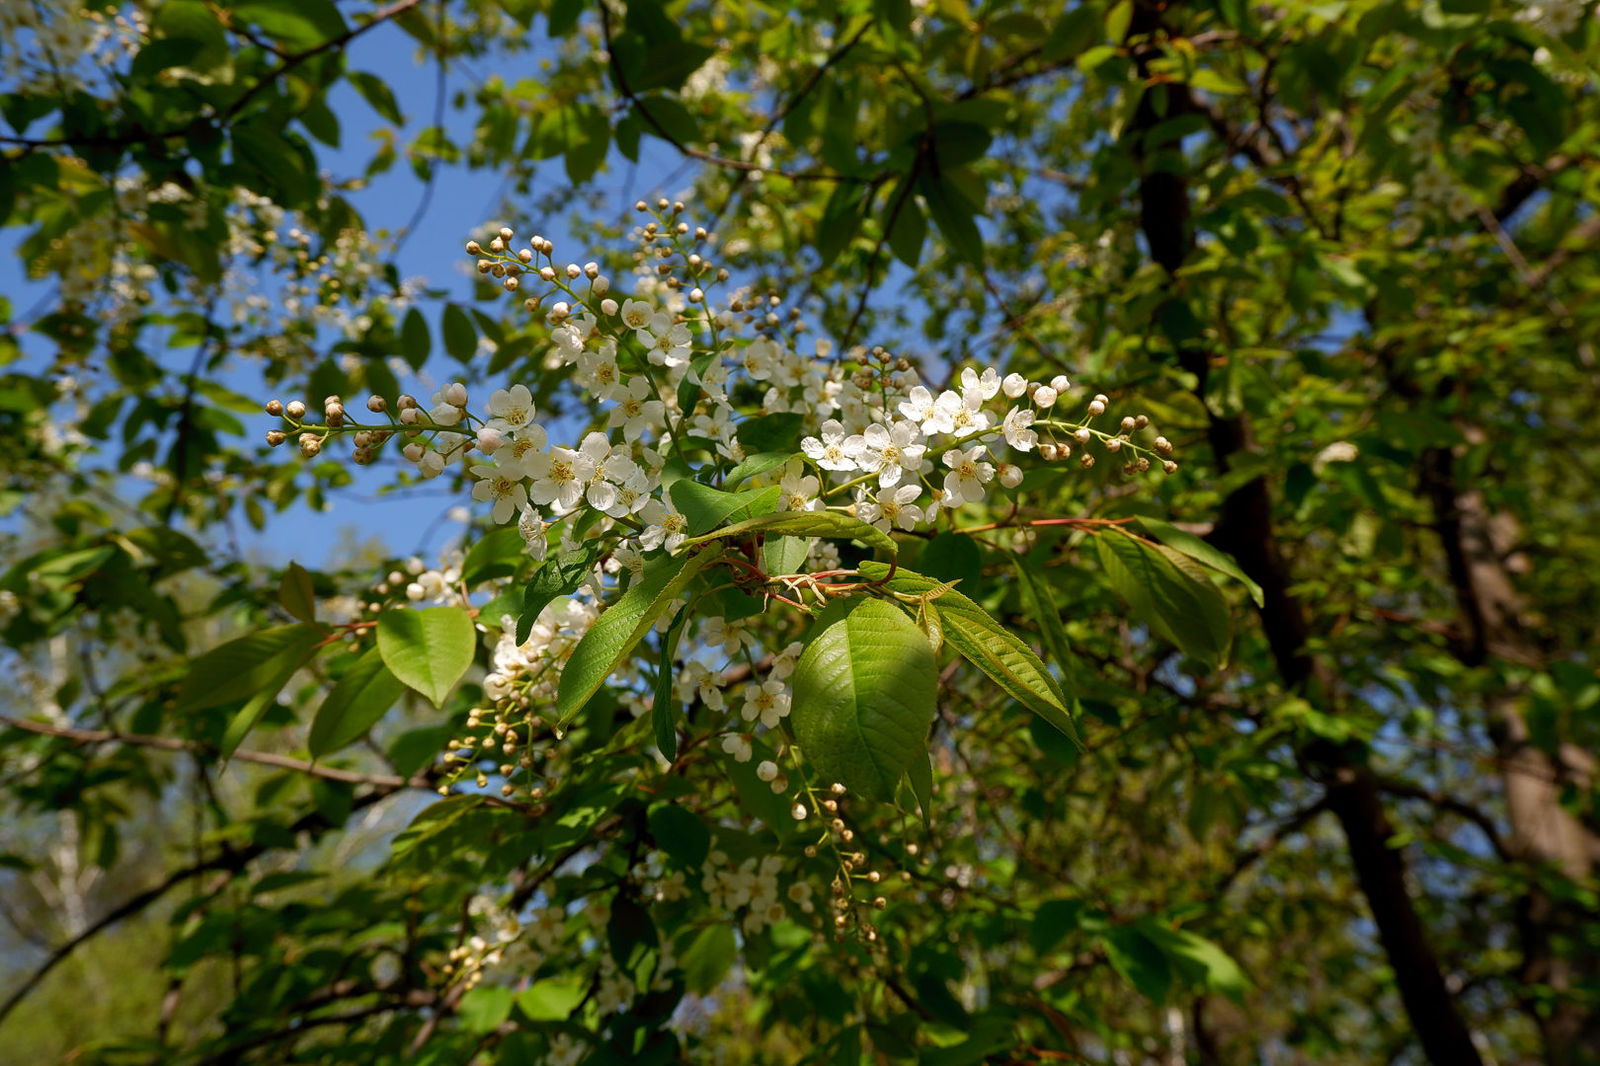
{"points": [[366, 691], [296, 594], [428, 650], [1182, 607], [460, 335], [1200, 551], [990, 647], [245, 667], [560, 575], [705, 508], [552, 999], [801, 524], [864, 692], [621, 626]]}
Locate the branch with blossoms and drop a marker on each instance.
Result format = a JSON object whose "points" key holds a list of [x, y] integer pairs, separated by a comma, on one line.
{"points": [[733, 501]]}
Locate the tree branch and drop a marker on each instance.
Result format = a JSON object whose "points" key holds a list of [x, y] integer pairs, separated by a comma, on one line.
{"points": [[231, 861], [263, 758]]}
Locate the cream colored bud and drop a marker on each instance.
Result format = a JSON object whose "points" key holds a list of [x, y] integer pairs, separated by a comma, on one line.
{"points": [[295, 410], [608, 306], [1163, 445], [274, 408], [377, 404], [574, 271], [1096, 408], [505, 233], [474, 248], [310, 446], [510, 284], [601, 286], [276, 437]]}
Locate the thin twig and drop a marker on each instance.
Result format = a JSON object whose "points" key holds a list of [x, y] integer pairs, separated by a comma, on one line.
{"points": [[264, 758]]}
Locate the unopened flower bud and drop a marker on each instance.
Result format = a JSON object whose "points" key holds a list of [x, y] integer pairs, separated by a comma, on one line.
{"points": [[510, 284], [601, 286], [274, 408], [377, 404], [489, 440], [1096, 408], [474, 248], [505, 233], [455, 394], [1044, 396], [1010, 475], [295, 410], [414, 452], [1083, 434], [1060, 383], [608, 306], [1169, 466], [560, 309], [276, 437], [310, 446], [591, 270]]}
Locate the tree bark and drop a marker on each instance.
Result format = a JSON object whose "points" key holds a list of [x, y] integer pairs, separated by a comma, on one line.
{"points": [[1544, 834]]}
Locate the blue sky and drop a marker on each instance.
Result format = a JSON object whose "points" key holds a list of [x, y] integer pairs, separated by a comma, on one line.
{"points": [[460, 202]]}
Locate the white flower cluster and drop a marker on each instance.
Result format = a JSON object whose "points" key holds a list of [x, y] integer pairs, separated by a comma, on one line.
{"points": [[1554, 17], [753, 886]]}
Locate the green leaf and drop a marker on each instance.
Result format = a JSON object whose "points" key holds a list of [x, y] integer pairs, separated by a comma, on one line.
{"points": [[705, 508], [498, 553], [1117, 20], [771, 433], [302, 23], [1139, 960], [681, 833], [920, 776], [754, 465], [460, 336], [1073, 32], [376, 92], [954, 218], [1195, 955], [1041, 606], [1184, 608], [611, 639], [428, 650], [1201, 552], [953, 557], [559, 576], [784, 555], [247, 666], [367, 690], [296, 594], [552, 999], [416, 344], [841, 217], [909, 232], [981, 640], [664, 706], [802, 524], [709, 958], [485, 1008], [864, 692]]}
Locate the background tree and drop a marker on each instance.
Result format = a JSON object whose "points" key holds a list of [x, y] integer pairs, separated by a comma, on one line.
{"points": [[1334, 676]]}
